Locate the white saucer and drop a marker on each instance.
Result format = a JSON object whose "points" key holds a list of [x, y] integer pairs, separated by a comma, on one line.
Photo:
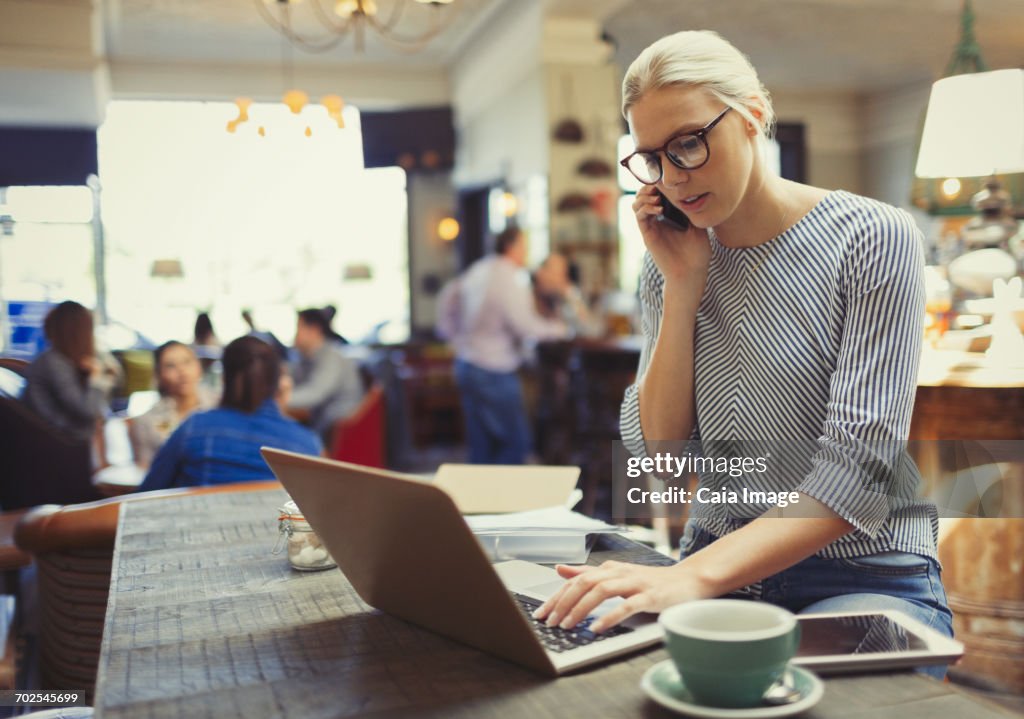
{"points": [[662, 684]]}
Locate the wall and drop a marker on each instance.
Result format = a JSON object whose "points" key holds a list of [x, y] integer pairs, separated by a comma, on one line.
{"points": [[511, 86], [892, 124], [431, 197], [372, 87], [506, 141], [498, 93], [589, 94], [833, 127], [52, 70]]}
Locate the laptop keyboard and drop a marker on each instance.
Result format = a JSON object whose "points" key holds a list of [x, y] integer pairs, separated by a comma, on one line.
{"points": [[555, 638]]}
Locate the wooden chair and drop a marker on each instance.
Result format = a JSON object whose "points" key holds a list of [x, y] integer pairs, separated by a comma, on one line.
{"points": [[360, 437], [73, 547]]}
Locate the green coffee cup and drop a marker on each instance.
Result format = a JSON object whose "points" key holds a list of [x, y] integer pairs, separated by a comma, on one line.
{"points": [[729, 651]]}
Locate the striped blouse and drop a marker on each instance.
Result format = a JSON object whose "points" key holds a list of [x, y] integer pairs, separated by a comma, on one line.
{"points": [[809, 345]]}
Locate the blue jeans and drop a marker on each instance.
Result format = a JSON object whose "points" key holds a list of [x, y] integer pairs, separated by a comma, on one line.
{"points": [[492, 404], [906, 582]]}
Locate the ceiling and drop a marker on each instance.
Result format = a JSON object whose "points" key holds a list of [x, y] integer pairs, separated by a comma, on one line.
{"points": [[843, 45], [851, 45], [233, 31], [214, 48]]}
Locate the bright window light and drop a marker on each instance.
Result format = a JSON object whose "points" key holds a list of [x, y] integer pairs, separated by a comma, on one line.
{"points": [[269, 223]]}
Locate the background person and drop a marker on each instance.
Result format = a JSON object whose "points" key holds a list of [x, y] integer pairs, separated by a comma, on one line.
{"points": [[488, 314], [785, 312], [558, 297], [67, 385], [222, 445], [204, 336], [327, 384], [178, 379], [208, 349]]}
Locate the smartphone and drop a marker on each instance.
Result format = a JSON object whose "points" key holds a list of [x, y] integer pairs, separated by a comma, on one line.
{"points": [[672, 215]]}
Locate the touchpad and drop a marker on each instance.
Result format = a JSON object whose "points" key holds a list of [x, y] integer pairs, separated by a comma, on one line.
{"points": [[519, 576]]}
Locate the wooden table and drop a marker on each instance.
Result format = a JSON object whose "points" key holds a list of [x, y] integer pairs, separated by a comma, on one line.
{"points": [[204, 622], [962, 398]]}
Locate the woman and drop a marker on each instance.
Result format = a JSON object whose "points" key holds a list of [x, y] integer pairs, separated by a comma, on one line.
{"points": [[222, 445], [178, 376], [786, 312], [556, 296], [204, 334], [67, 385]]}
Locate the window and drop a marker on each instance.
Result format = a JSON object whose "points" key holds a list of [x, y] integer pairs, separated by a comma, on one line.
{"points": [[273, 224]]}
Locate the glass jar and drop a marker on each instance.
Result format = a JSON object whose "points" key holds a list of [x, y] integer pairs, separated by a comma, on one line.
{"points": [[305, 551]]}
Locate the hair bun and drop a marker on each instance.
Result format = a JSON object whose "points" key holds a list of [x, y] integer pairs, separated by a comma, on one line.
{"points": [[329, 312]]}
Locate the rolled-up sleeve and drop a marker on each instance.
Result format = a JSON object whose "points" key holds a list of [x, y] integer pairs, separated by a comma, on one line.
{"points": [[860, 456]]}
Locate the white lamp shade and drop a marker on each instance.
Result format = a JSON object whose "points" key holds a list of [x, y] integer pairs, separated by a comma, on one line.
{"points": [[974, 126]]}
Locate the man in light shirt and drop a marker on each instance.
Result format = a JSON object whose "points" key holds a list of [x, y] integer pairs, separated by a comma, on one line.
{"points": [[488, 314]]}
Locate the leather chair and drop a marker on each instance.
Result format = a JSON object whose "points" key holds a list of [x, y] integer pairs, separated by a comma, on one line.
{"points": [[73, 547], [40, 466], [18, 366], [359, 438]]}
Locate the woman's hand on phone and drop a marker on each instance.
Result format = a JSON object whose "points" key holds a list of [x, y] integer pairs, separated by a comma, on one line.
{"points": [[682, 257]]}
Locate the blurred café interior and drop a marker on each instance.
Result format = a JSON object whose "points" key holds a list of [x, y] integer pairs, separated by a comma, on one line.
{"points": [[176, 175]]}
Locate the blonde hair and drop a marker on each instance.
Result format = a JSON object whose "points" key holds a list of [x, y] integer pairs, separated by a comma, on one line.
{"points": [[701, 58]]}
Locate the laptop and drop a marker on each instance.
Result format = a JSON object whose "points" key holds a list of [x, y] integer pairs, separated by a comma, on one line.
{"points": [[407, 551]]}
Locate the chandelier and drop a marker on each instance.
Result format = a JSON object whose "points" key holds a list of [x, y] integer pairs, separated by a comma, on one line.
{"points": [[354, 17]]}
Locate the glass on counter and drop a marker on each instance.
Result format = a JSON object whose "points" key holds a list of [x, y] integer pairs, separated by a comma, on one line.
{"points": [[305, 550]]}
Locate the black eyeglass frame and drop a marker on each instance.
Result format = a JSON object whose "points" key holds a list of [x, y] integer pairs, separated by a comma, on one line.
{"points": [[701, 134]]}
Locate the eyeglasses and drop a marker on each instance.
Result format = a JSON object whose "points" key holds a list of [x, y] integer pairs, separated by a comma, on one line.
{"points": [[688, 151]]}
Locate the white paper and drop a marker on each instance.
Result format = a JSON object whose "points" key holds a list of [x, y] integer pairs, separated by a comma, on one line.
{"points": [[551, 520]]}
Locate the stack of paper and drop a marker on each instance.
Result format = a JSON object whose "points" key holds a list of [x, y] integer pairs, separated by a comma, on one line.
{"points": [[550, 535]]}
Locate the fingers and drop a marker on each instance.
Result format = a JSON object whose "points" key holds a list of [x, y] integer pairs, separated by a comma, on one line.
{"points": [[555, 608], [647, 205], [568, 571], [592, 599], [565, 600], [634, 604]]}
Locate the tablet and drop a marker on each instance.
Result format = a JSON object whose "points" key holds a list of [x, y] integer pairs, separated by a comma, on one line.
{"points": [[848, 642]]}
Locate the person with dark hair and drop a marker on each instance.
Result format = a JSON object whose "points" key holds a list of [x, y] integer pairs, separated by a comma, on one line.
{"points": [[488, 315], [204, 334], [557, 296], [327, 385], [178, 376], [222, 445], [66, 384]]}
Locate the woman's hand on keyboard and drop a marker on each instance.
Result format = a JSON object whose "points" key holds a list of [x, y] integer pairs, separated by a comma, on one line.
{"points": [[645, 589]]}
